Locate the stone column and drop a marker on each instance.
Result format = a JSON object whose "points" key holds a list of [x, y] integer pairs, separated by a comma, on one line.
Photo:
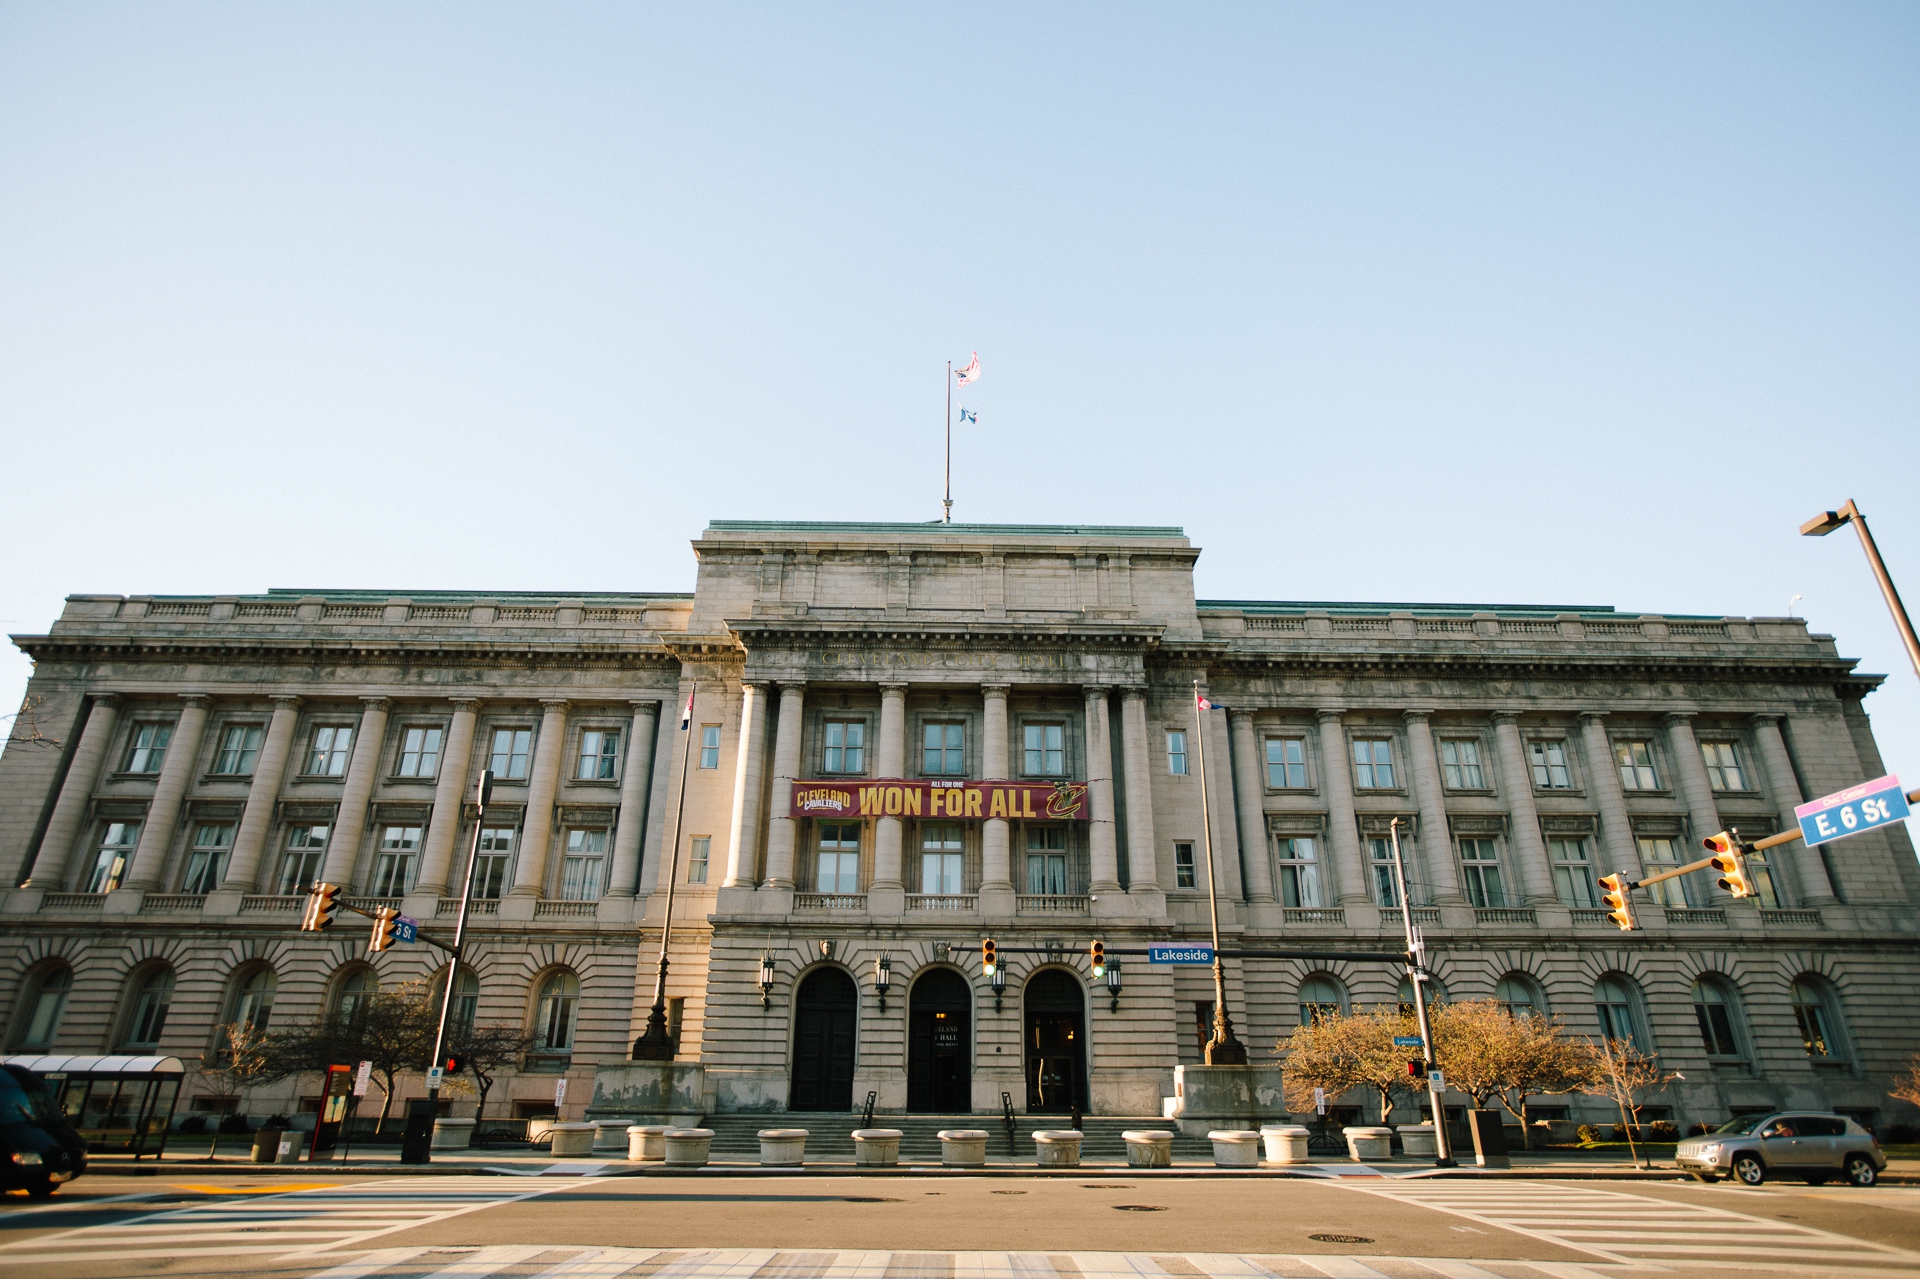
{"points": [[543, 787], [449, 802], [1616, 827], [743, 830], [1103, 850], [1436, 839], [1531, 874], [1336, 778], [169, 794], [350, 822], [1226, 831], [997, 889], [783, 833], [1694, 786], [891, 753], [635, 785], [269, 774], [1249, 792], [57, 863], [1811, 871], [1143, 852]]}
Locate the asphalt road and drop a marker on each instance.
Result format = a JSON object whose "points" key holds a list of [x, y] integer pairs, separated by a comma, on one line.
{"points": [[936, 1226]]}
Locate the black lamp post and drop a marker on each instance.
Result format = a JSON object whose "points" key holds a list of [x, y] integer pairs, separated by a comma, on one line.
{"points": [[766, 979], [999, 985], [1113, 985], [882, 974]]}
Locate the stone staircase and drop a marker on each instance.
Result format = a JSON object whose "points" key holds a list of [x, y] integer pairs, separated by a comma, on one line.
{"points": [[830, 1135]]}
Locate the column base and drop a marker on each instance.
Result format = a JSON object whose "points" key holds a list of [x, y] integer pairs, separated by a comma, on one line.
{"points": [[886, 899], [222, 901], [123, 901], [997, 900], [517, 905]]}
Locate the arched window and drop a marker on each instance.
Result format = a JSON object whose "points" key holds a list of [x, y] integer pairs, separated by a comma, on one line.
{"points": [[150, 1009], [43, 1007], [253, 1002], [554, 1018], [1712, 1008], [1813, 1008], [1517, 994], [1613, 1000], [355, 997], [1320, 998], [466, 1002]]}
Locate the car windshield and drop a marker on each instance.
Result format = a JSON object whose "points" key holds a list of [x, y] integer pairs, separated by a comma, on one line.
{"points": [[23, 1099], [1738, 1126]]}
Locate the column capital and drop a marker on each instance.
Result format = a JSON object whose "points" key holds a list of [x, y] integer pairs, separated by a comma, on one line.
{"points": [[106, 699], [1416, 716], [465, 703], [1133, 692], [644, 705], [1096, 692], [793, 686], [201, 700], [1505, 717], [287, 701], [1767, 717], [893, 690], [1672, 718], [1327, 715], [995, 690], [1594, 717], [378, 703], [762, 684], [555, 705]]}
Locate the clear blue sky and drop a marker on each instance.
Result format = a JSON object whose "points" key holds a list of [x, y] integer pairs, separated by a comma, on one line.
{"points": [[1485, 302]]}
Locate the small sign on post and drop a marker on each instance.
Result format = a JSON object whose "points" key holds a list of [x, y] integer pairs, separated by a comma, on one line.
{"points": [[1409, 1041], [434, 1075], [360, 1079], [1853, 811], [1319, 1101], [559, 1093], [1437, 1080]]}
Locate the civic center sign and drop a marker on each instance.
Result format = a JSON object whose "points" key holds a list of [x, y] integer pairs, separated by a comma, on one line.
{"points": [[1036, 801]]}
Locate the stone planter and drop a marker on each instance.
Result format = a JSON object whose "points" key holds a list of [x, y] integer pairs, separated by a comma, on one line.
{"points": [[783, 1147], [1235, 1147], [1285, 1143], [688, 1147], [647, 1141], [963, 1147], [1368, 1145], [877, 1147], [609, 1134], [452, 1134], [1148, 1149], [572, 1139], [1418, 1142], [1057, 1149]]}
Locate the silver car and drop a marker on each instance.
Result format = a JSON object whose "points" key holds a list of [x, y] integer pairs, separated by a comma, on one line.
{"points": [[1813, 1147]]}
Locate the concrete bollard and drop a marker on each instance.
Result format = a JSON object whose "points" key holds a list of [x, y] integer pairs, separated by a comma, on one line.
{"points": [[963, 1147], [452, 1134], [572, 1139], [1366, 1145], [783, 1147], [1286, 1143], [1235, 1147], [688, 1147], [876, 1147], [1057, 1149], [1418, 1142], [1148, 1149], [646, 1141]]}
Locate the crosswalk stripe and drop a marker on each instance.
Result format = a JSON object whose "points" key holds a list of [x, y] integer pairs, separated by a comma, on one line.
{"points": [[601, 1263], [372, 1263], [1342, 1267], [487, 1261], [1451, 1268]]}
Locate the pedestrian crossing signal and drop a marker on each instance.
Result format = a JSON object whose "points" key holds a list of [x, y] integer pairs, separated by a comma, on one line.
{"points": [[1416, 1069], [322, 901], [454, 1063], [1098, 952], [1731, 861], [1614, 893], [383, 922], [989, 956]]}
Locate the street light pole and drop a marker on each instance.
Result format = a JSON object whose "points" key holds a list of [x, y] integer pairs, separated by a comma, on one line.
{"points": [[1827, 521], [481, 796], [655, 1044], [1223, 1049], [1417, 974]]}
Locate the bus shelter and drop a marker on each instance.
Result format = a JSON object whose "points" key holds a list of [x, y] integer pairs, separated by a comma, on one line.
{"points": [[121, 1103]]}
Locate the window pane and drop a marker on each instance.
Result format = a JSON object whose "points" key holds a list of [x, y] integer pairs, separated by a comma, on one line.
{"points": [[710, 746], [1183, 866], [1177, 753]]}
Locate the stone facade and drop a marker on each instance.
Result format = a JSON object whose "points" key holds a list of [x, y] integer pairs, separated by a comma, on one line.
{"points": [[1526, 751]]}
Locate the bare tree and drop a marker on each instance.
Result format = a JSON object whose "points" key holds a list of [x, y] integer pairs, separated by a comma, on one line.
{"points": [[1541, 1058], [485, 1049], [241, 1061], [1625, 1075], [393, 1030]]}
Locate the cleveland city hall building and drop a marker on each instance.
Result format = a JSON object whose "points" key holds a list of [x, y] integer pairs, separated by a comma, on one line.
{"points": [[905, 738]]}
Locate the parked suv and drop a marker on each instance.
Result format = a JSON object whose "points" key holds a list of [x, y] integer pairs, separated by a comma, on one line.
{"points": [[1813, 1147], [39, 1150]]}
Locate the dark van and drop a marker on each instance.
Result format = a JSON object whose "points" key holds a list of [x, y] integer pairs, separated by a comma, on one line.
{"points": [[39, 1150]]}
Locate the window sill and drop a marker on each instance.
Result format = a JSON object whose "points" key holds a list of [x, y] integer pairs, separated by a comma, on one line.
{"points": [[330, 778], [1559, 792], [1487, 791], [1379, 790], [134, 777], [411, 781], [1738, 794], [1293, 790], [219, 779], [600, 783], [1663, 792]]}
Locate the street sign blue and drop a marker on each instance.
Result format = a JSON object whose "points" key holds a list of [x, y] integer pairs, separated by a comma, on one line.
{"points": [[406, 928], [1853, 811], [1408, 1041], [1179, 954]]}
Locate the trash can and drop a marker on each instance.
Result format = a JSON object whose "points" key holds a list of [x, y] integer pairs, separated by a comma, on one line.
{"points": [[416, 1140], [266, 1144]]}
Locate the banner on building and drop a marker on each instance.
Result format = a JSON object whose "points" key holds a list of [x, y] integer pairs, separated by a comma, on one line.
{"points": [[1027, 801]]}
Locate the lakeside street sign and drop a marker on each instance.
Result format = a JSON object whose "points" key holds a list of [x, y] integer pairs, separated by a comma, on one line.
{"points": [[1853, 811], [1179, 954]]}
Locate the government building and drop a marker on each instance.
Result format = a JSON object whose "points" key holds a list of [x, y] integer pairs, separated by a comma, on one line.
{"points": [[905, 738]]}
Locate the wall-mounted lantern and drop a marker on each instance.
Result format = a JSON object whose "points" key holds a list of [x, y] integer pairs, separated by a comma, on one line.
{"points": [[766, 979], [1113, 985], [999, 985], [882, 974]]}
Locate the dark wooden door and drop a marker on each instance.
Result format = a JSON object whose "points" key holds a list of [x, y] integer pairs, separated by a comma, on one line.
{"points": [[940, 1045], [1056, 1044], [825, 1016]]}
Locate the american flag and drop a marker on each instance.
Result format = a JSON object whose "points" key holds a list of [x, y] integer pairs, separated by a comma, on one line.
{"points": [[969, 374]]}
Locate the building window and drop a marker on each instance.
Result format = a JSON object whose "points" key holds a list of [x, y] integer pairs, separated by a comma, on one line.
{"points": [[1613, 1002], [700, 848], [559, 1004], [599, 755], [355, 999], [420, 752], [150, 1010], [1045, 753], [1177, 752], [1380, 859], [1299, 872], [509, 755], [305, 846], [1723, 766], [1516, 994], [1047, 860], [837, 869], [1550, 771], [940, 860], [1815, 1017], [1760, 875], [846, 746], [328, 749], [110, 859], [1287, 763], [1373, 763], [393, 865], [583, 872], [207, 859], [493, 868], [709, 746], [149, 747], [253, 1002], [941, 752], [1658, 854], [466, 1003], [44, 1010], [1636, 765], [239, 747], [1184, 873], [1320, 999], [1480, 873], [1572, 873], [1460, 763], [1716, 1020]]}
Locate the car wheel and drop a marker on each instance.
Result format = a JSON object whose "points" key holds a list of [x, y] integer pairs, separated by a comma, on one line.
{"points": [[1748, 1170], [1708, 1177], [1861, 1172], [42, 1189]]}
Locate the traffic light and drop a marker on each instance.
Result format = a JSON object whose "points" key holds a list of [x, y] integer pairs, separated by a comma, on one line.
{"points": [[1416, 1070], [1098, 951], [989, 956], [454, 1063], [1731, 862], [322, 901], [383, 918], [1614, 893]]}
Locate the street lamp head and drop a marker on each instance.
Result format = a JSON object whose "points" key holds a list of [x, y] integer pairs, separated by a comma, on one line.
{"points": [[1824, 523]]}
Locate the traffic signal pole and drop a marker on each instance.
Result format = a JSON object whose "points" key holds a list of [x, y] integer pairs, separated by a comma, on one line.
{"points": [[484, 793], [1417, 974]]}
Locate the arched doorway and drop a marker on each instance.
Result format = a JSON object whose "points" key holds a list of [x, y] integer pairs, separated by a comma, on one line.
{"points": [[1056, 1043], [939, 1060], [825, 1013]]}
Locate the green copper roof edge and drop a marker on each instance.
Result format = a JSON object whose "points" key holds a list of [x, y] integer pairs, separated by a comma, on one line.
{"points": [[935, 526], [1350, 606]]}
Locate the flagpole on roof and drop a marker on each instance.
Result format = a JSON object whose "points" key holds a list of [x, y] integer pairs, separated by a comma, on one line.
{"points": [[947, 518]]}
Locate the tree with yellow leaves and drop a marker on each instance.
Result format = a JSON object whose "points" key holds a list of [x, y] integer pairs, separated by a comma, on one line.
{"points": [[1339, 1052]]}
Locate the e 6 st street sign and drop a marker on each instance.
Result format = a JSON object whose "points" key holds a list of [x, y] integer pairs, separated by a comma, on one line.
{"points": [[1853, 811]]}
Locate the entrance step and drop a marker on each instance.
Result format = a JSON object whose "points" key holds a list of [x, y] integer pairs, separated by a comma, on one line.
{"points": [[830, 1134]]}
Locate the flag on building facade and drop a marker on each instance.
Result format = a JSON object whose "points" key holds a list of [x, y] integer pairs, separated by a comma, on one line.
{"points": [[1206, 705], [686, 716]]}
